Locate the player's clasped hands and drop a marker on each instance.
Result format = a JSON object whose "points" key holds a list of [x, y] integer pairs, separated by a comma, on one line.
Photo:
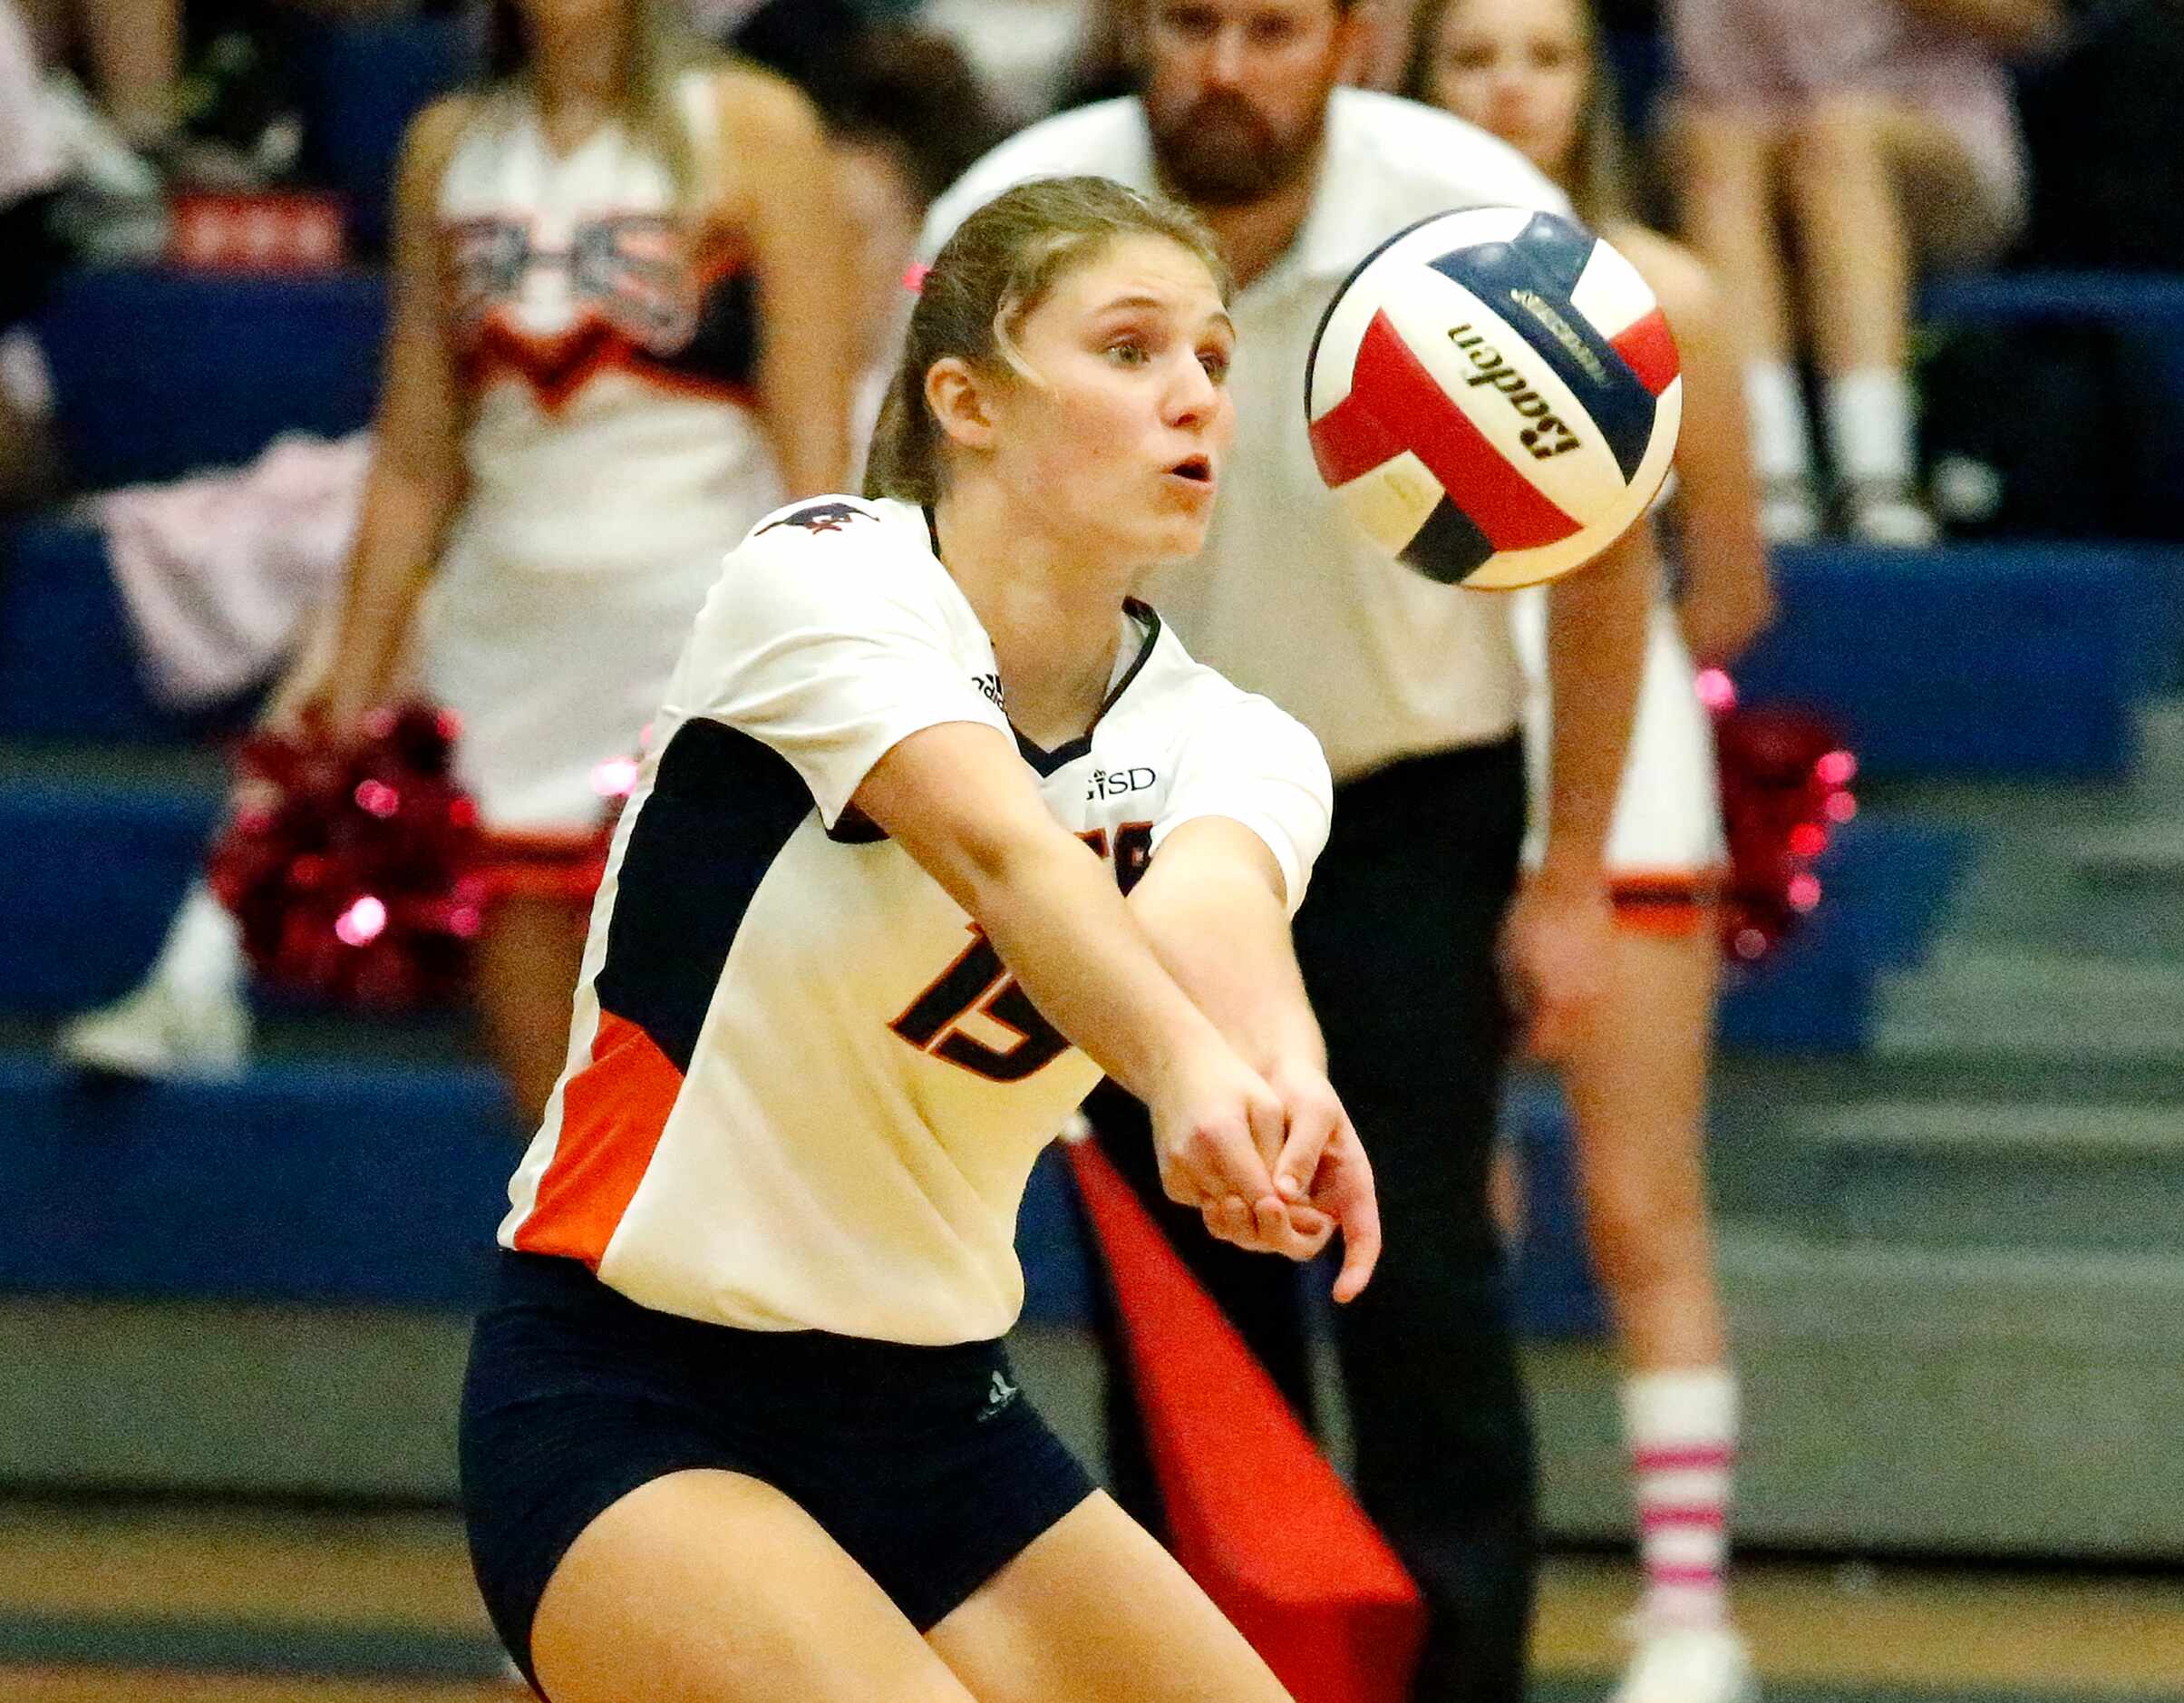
{"points": [[1272, 1164]]}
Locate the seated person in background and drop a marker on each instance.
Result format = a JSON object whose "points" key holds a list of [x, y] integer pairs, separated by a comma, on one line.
{"points": [[1879, 135]]}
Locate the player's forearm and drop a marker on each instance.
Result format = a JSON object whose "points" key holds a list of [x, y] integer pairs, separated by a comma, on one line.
{"points": [[1051, 908], [1224, 939], [1596, 646]]}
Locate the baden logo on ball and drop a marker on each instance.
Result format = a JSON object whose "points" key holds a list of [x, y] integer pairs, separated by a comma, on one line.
{"points": [[1493, 395]]}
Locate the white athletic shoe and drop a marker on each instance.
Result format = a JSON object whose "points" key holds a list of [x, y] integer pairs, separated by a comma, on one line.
{"points": [[1689, 1664], [162, 1033], [1789, 511], [1891, 518]]}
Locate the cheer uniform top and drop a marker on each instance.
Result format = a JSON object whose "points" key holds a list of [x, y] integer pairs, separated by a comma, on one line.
{"points": [[802, 1091], [1289, 597], [614, 451]]}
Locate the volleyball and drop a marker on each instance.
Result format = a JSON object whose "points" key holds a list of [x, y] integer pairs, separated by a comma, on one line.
{"points": [[1493, 395]]}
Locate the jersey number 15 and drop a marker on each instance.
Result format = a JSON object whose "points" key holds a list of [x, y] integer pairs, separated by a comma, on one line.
{"points": [[979, 982]]}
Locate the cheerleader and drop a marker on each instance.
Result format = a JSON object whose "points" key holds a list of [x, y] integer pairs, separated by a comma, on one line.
{"points": [[624, 325]]}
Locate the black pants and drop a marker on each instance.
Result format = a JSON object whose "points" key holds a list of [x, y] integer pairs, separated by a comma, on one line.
{"points": [[1397, 938]]}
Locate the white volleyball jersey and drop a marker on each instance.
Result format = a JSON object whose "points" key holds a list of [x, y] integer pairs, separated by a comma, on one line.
{"points": [[1289, 597], [802, 1091], [608, 357]]}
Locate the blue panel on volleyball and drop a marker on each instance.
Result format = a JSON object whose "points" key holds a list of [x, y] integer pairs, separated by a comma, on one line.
{"points": [[1548, 259], [354, 1183], [95, 872], [1449, 545], [158, 374], [1989, 659]]}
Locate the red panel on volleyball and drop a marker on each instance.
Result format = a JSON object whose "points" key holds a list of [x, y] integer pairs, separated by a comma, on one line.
{"points": [[1391, 388], [1650, 351], [1255, 1512]]}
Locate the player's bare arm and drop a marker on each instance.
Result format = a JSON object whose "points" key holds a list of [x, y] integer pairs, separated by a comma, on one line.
{"points": [[417, 473], [957, 799], [1554, 941], [1214, 905]]}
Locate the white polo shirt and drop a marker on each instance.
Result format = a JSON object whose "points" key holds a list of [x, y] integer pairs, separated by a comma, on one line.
{"points": [[802, 1090], [1289, 598]]}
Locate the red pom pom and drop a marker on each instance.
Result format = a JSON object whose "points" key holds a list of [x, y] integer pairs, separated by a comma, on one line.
{"points": [[1785, 784], [350, 871]]}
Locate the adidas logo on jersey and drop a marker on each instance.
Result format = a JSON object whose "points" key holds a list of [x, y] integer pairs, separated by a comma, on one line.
{"points": [[989, 688]]}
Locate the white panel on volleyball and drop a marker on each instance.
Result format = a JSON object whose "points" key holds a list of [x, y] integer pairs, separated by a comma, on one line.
{"points": [[1415, 250], [1610, 292], [1392, 500]]}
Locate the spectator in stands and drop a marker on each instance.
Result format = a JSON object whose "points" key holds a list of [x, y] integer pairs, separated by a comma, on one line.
{"points": [[908, 119], [624, 328], [1881, 133], [30, 171], [1531, 71]]}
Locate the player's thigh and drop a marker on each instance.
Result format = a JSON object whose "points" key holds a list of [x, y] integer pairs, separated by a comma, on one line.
{"points": [[1636, 1075], [1096, 1610], [711, 1586]]}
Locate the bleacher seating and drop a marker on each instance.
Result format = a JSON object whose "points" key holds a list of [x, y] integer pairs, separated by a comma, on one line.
{"points": [[341, 1181], [1997, 660]]}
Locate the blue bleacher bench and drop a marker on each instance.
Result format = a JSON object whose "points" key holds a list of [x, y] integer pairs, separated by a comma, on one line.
{"points": [[160, 373], [339, 1181]]}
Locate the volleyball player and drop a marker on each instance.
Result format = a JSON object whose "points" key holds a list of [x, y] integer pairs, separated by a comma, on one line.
{"points": [[739, 1423], [1415, 691]]}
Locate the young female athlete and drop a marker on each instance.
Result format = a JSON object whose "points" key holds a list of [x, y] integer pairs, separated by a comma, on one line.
{"points": [[1635, 1073], [739, 1423]]}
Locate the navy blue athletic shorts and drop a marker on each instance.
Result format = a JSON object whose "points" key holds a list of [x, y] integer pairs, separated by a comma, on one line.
{"points": [[924, 1464]]}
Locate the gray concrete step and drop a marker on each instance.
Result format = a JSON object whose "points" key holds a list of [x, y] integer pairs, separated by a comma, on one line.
{"points": [[2035, 1002], [1898, 1399], [1966, 1174]]}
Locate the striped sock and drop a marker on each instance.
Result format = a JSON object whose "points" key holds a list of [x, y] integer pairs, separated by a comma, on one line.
{"points": [[1682, 1429]]}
